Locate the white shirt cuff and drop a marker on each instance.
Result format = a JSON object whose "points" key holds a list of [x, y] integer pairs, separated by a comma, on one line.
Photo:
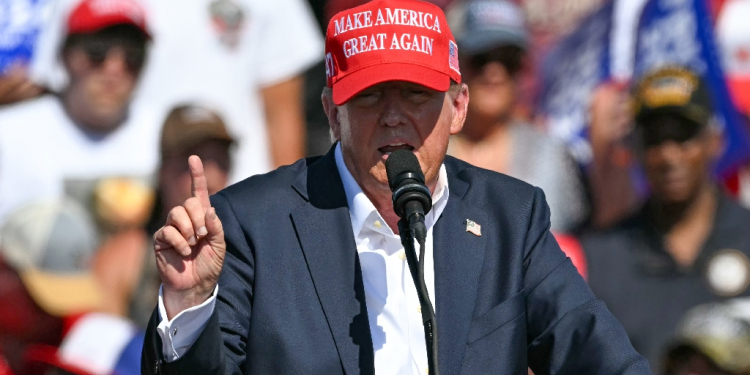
{"points": [[178, 335]]}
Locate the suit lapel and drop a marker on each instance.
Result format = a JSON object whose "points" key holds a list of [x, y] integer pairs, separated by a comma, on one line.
{"points": [[458, 263], [325, 234]]}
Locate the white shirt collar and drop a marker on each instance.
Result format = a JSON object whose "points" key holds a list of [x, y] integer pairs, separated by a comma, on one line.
{"points": [[360, 207]]}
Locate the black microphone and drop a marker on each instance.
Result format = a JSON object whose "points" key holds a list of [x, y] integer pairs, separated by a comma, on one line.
{"points": [[411, 202], [411, 198]]}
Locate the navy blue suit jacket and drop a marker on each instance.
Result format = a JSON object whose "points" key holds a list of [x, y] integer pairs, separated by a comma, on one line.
{"points": [[291, 298]]}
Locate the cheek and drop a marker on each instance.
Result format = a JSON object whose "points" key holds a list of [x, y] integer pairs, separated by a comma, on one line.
{"points": [[176, 189], [698, 158], [356, 123], [358, 131], [185, 186], [435, 137], [99, 86], [216, 178], [126, 83], [438, 135]]}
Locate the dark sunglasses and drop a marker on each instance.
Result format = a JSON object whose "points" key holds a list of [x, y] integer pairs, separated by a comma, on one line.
{"points": [[509, 56], [97, 51]]}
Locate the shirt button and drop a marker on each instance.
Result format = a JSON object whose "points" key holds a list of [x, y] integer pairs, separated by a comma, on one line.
{"points": [[378, 224], [402, 255], [174, 332]]}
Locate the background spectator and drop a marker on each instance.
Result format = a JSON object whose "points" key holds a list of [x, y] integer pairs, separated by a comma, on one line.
{"points": [[492, 39], [45, 254], [689, 243], [242, 57], [94, 344], [712, 339], [73, 142], [125, 264]]}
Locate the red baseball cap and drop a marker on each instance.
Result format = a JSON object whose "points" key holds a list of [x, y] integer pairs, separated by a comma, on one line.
{"points": [[389, 40], [93, 15]]}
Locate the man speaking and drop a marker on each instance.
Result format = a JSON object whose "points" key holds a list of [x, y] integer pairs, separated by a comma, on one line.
{"points": [[302, 271]]}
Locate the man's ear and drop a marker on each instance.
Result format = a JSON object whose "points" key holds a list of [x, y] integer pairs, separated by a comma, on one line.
{"points": [[332, 112], [460, 102]]}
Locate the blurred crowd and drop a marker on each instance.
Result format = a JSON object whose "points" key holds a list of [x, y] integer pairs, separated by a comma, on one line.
{"points": [[102, 102]]}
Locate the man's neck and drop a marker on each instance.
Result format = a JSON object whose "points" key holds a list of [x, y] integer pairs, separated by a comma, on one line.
{"points": [[686, 226]]}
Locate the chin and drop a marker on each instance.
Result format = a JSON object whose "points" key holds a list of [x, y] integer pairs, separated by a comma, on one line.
{"points": [[674, 197], [110, 110]]}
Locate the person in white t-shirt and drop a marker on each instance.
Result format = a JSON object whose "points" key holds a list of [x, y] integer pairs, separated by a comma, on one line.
{"points": [[55, 144], [243, 58]]}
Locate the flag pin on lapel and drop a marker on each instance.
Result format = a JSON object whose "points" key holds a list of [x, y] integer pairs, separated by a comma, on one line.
{"points": [[473, 228]]}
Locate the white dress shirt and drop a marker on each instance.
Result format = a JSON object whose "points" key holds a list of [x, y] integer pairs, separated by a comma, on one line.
{"points": [[393, 306]]}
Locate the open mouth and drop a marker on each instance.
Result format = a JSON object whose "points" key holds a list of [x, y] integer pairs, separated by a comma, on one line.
{"points": [[395, 146]]}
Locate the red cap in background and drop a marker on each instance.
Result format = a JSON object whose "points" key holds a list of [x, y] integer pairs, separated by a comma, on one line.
{"points": [[389, 40], [93, 15]]}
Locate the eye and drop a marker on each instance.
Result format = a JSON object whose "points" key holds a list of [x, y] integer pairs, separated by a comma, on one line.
{"points": [[367, 97], [417, 94]]}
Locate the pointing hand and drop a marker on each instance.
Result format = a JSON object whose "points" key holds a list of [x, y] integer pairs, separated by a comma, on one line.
{"points": [[190, 248]]}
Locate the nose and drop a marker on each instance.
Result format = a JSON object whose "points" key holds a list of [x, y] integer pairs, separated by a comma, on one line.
{"points": [[393, 111], [670, 151], [115, 62]]}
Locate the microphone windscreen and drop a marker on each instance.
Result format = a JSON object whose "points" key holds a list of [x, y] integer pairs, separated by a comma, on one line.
{"points": [[401, 161]]}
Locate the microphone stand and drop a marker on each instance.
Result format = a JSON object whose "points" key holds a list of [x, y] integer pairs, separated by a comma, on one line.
{"points": [[417, 273]]}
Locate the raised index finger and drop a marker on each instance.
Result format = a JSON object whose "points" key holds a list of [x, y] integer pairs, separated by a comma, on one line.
{"points": [[198, 178]]}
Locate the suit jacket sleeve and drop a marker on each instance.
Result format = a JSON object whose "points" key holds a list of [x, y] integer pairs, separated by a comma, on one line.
{"points": [[220, 348], [569, 330]]}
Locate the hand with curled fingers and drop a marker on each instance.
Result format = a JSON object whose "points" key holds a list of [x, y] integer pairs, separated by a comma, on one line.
{"points": [[190, 248], [15, 85]]}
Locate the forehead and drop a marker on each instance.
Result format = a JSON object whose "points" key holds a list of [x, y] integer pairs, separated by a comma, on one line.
{"points": [[110, 35]]}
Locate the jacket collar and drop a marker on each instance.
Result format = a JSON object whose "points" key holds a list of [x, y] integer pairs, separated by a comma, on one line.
{"points": [[324, 230]]}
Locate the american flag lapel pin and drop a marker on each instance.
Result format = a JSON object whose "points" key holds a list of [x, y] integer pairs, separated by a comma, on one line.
{"points": [[473, 228]]}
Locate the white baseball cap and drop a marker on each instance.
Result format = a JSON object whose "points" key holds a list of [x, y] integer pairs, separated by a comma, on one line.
{"points": [[50, 245]]}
